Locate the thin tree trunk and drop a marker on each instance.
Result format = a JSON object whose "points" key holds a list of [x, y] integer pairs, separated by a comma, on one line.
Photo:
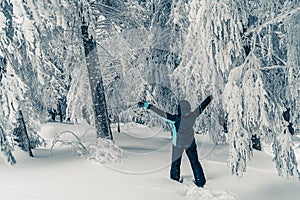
{"points": [[118, 122], [95, 78], [24, 134]]}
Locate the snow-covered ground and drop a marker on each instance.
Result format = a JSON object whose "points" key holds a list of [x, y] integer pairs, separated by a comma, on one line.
{"points": [[60, 174]]}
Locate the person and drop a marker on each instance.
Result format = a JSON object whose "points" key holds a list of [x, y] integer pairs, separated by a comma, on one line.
{"points": [[183, 137]]}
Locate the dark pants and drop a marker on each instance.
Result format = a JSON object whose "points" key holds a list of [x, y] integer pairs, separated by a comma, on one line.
{"points": [[195, 164]]}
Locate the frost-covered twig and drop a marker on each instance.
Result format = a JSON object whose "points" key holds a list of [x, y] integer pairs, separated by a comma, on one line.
{"points": [[75, 144]]}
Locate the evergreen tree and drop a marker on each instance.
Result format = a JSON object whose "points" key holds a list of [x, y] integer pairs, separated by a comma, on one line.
{"points": [[6, 147], [270, 40], [235, 50], [28, 76], [213, 47], [248, 106]]}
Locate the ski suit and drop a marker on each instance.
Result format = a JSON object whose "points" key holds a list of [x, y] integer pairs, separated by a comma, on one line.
{"points": [[185, 140]]}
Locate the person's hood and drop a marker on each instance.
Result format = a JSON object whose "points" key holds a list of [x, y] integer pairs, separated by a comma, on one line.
{"points": [[184, 107]]}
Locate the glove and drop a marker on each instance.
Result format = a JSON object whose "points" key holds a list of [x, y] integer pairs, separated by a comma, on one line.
{"points": [[144, 104], [210, 97]]}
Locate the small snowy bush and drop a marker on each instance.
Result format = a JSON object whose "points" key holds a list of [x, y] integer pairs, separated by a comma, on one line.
{"points": [[105, 151]]}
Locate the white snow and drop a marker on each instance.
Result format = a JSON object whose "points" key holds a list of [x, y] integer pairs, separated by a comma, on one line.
{"points": [[2, 21], [141, 173]]}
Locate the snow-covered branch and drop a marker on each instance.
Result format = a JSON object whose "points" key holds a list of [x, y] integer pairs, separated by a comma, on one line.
{"points": [[278, 19]]}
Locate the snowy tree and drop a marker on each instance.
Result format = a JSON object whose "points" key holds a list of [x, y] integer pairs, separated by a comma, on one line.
{"points": [[293, 64], [95, 79], [61, 45], [6, 147], [248, 106], [79, 98], [29, 77], [285, 158], [104, 18], [15, 94], [213, 47], [149, 69], [271, 41], [133, 58], [235, 50]]}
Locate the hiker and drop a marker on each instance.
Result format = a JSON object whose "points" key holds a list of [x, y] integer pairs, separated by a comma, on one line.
{"points": [[183, 137]]}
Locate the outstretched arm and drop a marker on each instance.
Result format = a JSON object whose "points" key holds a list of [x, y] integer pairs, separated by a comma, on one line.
{"points": [[157, 110], [203, 105]]}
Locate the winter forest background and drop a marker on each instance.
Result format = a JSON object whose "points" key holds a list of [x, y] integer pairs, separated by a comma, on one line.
{"points": [[69, 55]]}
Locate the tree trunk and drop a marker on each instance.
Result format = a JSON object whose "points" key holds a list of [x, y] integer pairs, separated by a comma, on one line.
{"points": [[118, 122], [95, 78], [22, 135]]}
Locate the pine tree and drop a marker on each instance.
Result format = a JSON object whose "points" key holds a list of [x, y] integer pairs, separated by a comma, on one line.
{"points": [[248, 106], [28, 80], [269, 40], [285, 159], [6, 147], [235, 50], [213, 47]]}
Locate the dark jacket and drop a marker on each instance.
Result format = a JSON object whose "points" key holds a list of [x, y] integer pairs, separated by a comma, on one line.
{"points": [[184, 121]]}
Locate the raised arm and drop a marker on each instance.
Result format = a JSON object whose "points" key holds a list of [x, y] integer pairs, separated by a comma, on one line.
{"points": [[157, 110], [203, 105]]}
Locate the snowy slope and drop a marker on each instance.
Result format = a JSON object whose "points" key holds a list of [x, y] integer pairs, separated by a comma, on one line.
{"points": [[143, 173]]}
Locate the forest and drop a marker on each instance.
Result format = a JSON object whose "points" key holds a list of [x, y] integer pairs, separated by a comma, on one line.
{"points": [[94, 60]]}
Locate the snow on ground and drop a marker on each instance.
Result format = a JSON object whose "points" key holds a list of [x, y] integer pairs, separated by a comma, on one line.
{"points": [[61, 174]]}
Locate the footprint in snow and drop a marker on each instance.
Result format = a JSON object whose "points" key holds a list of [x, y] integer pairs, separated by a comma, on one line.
{"points": [[190, 190]]}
